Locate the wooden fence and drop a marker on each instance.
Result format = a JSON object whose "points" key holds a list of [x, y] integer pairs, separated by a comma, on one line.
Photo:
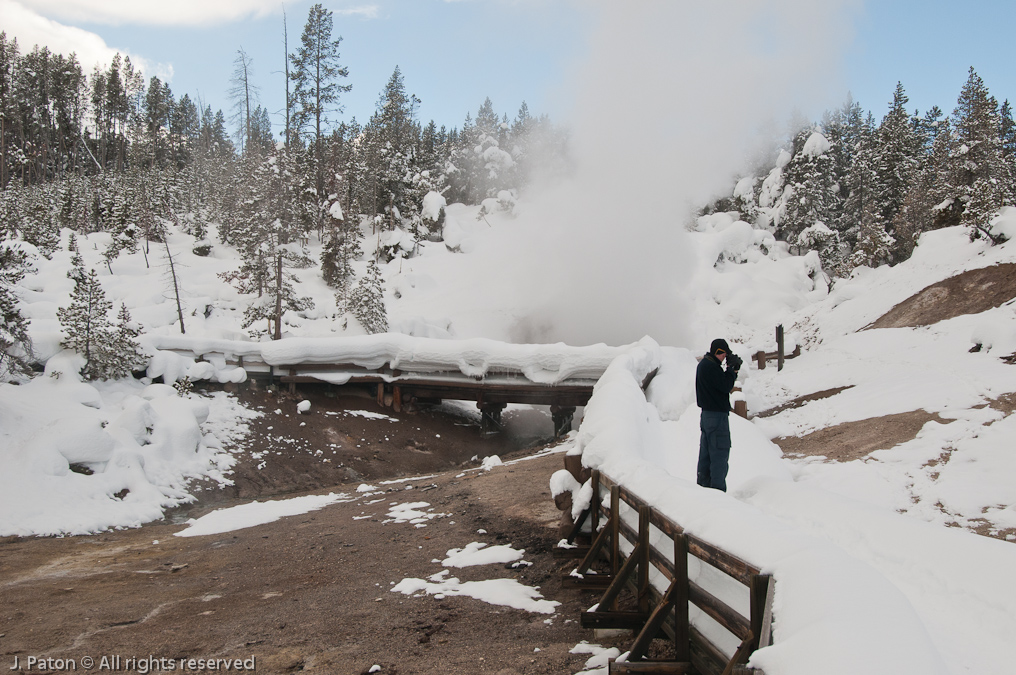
{"points": [[761, 357], [648, 556]]}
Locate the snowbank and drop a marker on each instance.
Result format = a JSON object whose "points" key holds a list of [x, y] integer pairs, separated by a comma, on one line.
{"points": [[133, 449], [848, 573]]}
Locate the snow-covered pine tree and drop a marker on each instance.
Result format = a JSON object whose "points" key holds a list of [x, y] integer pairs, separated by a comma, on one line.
{"points": [[126, 355], [340, 250], [977, 162], [844, 128], [367, 301], [15, 343], [897, 157], [120, 225], [267, 232], [985, 198], [873, 244], [927, 204], [86, 324], [809, 193], [860, 183], [37, 225], [390, 140], [1007, 137]]}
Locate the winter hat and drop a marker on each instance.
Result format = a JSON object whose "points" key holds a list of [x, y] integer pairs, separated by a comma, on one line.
{"points": [[718, 343]]}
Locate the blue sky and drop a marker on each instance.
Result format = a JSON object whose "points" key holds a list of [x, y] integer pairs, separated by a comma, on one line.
{"points": [[453, 54]]}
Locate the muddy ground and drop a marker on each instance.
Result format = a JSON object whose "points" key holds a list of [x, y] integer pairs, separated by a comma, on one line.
{"points": [[311, 593]]}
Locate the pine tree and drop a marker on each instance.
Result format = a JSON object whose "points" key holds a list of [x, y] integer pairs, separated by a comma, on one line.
{"points": [[978, 168], [860, 183], [125, 356], [844, 129], [367, 301], [86, 324], [271, 218], [809, 193], [897, 150], [930, 203], [390, 143], [15, 343], [315, 75]]}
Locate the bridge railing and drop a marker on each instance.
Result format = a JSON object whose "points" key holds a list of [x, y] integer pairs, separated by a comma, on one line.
{"points": [[713, 608]]}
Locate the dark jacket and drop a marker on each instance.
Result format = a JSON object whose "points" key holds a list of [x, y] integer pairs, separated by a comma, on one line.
{"points": [[713, 384]]}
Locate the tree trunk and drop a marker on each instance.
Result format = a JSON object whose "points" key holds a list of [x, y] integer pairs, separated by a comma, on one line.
{"points": [[278, 296], [176, 287]]}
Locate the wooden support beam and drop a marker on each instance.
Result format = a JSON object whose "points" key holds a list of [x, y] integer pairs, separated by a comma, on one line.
{"points": [[587, 581], [594, 549], [640, 647], [575, 552], [577, 527], [595, 503], [741, 654], [609, 599], [613, 619], [562, 416]]}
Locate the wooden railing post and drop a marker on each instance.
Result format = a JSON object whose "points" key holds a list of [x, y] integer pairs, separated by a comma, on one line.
{"points": [[682, 633], [643, 580], [615, 536], [595, 504], [779, 347], [761, 609]]}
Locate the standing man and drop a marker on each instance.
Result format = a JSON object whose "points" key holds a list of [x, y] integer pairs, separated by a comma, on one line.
{"points": [[713, 385]]}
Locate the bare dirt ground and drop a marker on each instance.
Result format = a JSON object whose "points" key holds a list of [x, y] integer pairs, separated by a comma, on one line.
{"points": [[967, 293], [857, 440], [311, 593]]}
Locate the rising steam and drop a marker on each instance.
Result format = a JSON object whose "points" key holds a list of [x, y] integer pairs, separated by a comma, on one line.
{"points": [[668, 104]]}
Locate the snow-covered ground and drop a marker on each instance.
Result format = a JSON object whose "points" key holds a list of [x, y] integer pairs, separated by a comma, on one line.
{"points": [[860, 549]]}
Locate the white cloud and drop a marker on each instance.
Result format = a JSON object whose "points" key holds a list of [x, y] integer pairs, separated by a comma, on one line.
{"points": [[176, 13], [31, 29], [364, 11]]}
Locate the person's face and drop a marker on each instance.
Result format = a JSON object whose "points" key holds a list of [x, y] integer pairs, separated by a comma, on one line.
{"points": [[721, 355]]}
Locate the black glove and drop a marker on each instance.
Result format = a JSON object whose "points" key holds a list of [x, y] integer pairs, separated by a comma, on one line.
{"points": [[734, 362]]}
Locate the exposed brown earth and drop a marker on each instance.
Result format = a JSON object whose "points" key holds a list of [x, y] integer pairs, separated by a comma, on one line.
{"points": [[857, 440], [971, 292]]}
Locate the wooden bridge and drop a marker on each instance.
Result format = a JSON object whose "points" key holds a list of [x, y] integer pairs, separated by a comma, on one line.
{"points": [[405, 372], [397, 389]]}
